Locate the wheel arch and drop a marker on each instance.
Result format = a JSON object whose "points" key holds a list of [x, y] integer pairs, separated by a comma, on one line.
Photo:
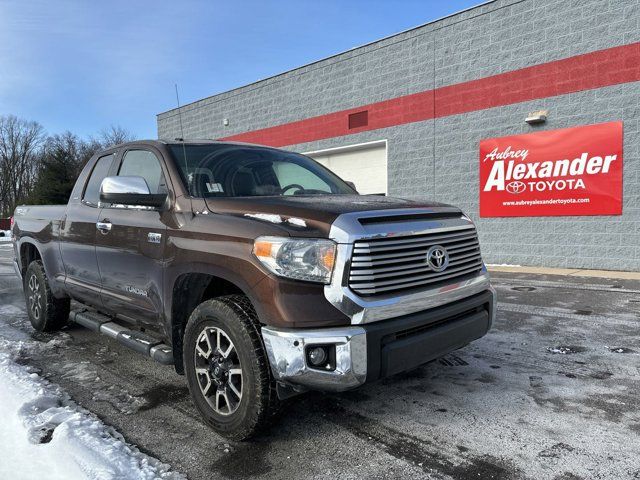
{"points": [[28, 249], [188, 290], [28, 253]]}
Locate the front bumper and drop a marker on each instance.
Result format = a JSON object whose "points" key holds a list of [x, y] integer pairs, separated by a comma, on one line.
{"points": [[368, 352], [286, 352]]}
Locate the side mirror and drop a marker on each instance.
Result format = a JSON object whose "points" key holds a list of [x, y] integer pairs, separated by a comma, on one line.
{"points": [[130, 191], [351, 184]]}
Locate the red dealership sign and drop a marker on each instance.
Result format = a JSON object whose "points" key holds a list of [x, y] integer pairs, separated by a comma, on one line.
{"points": [[572, 171]]}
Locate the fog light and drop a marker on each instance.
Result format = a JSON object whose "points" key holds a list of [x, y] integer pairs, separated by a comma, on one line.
{"points": [[317, 356]]}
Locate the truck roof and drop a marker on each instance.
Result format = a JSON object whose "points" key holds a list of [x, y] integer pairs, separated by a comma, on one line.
{"points": [[178, 141]]}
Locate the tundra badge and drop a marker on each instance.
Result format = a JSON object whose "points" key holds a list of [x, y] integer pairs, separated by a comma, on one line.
{"points": [[136, 291]]}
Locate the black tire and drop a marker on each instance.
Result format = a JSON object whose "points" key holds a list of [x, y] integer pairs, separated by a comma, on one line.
{"points": [[46, 312], [235, 417]]}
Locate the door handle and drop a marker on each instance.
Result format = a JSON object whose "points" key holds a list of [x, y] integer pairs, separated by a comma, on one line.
{"points": [[104, 226]]}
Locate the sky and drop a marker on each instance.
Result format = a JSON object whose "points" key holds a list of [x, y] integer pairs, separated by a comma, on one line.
{"points": [[83, 65]]}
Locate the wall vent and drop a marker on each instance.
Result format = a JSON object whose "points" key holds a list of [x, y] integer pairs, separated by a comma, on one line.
{"points": [[359, 119]]}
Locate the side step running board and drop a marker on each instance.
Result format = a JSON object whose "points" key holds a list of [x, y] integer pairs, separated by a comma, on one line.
{"points": [[138, 341]]}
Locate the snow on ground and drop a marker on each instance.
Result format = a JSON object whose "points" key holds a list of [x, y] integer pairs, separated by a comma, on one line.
{"points": [[44, 434]]}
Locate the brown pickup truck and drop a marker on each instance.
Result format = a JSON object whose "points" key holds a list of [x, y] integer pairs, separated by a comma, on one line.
{"points": [[256, 272]]}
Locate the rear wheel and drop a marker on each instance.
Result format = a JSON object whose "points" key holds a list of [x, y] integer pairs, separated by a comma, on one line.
{"points": [[46, 312], [227, 369]]}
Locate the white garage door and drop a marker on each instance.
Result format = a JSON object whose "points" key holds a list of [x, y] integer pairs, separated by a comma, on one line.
{"points": [[364, 165]]}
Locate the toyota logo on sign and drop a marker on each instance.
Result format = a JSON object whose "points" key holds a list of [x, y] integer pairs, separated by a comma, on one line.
{"points": [[516, 187], [437, 258]]}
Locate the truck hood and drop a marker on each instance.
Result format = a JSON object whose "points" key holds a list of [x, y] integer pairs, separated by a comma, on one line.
{"points": [[310, 215]]}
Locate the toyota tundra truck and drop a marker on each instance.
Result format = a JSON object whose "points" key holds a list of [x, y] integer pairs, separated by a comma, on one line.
{"points": [[256, 272]]}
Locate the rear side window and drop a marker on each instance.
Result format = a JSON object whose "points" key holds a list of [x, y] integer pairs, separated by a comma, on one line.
{"points": [[145, 164], [100, 171]]}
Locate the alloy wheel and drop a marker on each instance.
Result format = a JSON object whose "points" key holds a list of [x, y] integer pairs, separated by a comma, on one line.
{"points": [[218, 370], [35, 297]]}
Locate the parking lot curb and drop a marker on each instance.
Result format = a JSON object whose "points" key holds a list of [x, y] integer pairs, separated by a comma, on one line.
{"points": [[573, 272]]}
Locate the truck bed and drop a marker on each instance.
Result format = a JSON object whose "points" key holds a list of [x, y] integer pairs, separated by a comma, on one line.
{"points": [[35, 220]]}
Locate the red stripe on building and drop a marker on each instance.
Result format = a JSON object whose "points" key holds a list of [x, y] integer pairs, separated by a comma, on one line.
{"points": [[598, 69]]}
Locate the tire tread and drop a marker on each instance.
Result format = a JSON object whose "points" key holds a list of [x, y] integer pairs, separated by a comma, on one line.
{"points": [[249, 315]]}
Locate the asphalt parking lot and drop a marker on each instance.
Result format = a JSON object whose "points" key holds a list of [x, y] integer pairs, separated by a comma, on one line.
{"points": [[550, 393]]}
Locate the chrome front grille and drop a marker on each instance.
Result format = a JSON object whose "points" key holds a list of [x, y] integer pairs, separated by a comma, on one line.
{"points": [[385, 265]]}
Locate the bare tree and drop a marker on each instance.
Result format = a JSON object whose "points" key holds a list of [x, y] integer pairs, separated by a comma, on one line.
{"points": [[114, 135], [21, 142], [39, 169]]}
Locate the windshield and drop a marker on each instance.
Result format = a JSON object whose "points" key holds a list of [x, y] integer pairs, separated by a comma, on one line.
{"points": [[223, 170]]}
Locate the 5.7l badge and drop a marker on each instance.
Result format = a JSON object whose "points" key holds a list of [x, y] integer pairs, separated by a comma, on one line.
{"points": [[154, 237]]}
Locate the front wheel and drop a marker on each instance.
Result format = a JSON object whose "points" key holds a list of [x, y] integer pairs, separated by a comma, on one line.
{"points": [[46, 312], [227, 368]]}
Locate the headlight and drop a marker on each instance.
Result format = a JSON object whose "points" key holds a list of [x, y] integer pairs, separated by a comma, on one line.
{"points": [[299, 258]]}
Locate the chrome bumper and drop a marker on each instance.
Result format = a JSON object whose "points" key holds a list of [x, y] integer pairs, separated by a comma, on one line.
{"points": [[286, 352], [358, 348]]}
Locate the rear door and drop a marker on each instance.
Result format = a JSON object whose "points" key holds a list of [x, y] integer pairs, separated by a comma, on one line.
{"points": [[130, 254], [78, 235]]}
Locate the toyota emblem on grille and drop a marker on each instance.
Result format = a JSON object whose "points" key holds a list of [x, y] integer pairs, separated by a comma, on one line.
{"points": [[437, 258]]}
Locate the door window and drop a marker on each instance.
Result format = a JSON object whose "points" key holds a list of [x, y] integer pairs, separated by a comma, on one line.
{"points": [[100, 171], [145, 164]]}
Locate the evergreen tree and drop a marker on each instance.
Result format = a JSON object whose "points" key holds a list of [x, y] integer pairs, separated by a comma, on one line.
{"points": [[56, 179]]}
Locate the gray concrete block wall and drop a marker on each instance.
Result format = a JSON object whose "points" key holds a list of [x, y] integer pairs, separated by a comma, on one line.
{"points": [[530, 32], [495, 38], [438, 159], [605, 242]]}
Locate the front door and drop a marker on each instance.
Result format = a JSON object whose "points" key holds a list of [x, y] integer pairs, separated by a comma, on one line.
{"points": [[130, 246]]}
